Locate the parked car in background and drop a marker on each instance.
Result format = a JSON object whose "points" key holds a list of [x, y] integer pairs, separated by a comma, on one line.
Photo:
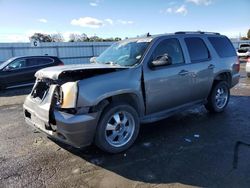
{"points": [[248, 67], [19, 71], [132, 82], [243, 52]]}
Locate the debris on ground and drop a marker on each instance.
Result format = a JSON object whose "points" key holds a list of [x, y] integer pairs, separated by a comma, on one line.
{"points": [[188, 140], [196, 135]]}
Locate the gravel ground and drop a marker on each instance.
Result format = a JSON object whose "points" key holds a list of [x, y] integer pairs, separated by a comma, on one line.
{"points": [[193, 148]]}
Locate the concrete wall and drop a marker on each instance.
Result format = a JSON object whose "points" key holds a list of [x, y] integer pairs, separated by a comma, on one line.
{"points": [[69, 53]]}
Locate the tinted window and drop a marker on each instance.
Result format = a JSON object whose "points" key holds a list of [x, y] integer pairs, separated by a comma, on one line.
{"points": [[17, 64], [197, 49], [44, 61], [244, 45], [222, 46], [172, 48], [38, 61]]}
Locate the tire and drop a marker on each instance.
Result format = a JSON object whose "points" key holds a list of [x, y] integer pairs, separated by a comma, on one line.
{"points": [[118, 128], [2, 87], [218, 97], [248, 75]]}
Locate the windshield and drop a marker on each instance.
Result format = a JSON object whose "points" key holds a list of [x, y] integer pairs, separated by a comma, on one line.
{"points": [[124, 53], [5, 63]]}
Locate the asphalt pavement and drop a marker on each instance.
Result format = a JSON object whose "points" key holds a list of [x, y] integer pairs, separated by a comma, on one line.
{"points": [[192, 148]]}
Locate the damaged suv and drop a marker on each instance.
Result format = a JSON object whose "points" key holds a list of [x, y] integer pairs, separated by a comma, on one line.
{"points": [[132, 82]]}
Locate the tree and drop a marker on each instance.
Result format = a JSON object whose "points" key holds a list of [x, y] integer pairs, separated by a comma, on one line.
{"points": [[95, 39], [117, 39], [57, 37], [248, 34], [78, 38], [84, 38], [41, 37], [244, 38]]}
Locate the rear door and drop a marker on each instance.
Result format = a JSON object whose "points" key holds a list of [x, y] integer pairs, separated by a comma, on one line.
{"points": [[36, 63], [201, 66], [167, 86], [15, 73]]}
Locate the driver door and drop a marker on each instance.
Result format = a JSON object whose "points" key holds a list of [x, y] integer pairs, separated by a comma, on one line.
{"points": [[16, 73], [167, 86]]}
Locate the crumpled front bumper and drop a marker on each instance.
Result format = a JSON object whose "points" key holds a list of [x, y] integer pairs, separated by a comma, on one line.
{"points": [[75, 130]]}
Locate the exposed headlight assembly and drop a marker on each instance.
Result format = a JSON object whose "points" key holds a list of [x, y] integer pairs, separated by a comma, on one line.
{"points": [[69, 92]]}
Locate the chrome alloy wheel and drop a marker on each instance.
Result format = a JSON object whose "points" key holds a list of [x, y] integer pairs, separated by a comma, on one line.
{"points": [[221, 97], [120, 129]]}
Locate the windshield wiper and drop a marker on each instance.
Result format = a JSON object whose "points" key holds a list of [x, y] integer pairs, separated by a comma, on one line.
{"points": [[111, 63]]}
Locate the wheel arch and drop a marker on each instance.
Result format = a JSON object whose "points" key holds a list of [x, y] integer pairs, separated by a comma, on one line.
{"points": [[223, 76], [130, 98]]}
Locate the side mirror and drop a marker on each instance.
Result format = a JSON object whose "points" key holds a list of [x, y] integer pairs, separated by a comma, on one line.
{"points": [[92, 60], [8, 68], [162, 60]]}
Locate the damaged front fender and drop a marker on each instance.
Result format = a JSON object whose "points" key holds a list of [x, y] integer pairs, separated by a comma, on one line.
{"points": [[95, 89]]}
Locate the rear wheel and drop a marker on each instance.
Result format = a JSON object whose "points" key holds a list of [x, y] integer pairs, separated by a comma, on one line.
{"points": [[118, 128], [2, 87], [218, 97]]}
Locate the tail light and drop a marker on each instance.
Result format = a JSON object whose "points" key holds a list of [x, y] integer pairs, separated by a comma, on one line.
{"points": [[237, 66], [60, 64], [248, 60]]}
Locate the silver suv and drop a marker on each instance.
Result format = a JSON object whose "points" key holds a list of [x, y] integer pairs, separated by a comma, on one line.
{"points": [[134, 81]]}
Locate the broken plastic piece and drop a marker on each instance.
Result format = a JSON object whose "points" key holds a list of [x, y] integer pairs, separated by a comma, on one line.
{"points": [[196, 135], [188, 140]]}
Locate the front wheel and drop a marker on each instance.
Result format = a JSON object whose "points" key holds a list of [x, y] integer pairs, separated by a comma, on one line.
{"points": [[118, 128], [218, 97]]}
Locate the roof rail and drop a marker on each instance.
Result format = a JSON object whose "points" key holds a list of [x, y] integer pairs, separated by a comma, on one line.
{"points": [[196, 32]]}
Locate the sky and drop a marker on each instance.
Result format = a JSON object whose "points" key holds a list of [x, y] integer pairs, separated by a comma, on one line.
{"points": [[19, 19]]}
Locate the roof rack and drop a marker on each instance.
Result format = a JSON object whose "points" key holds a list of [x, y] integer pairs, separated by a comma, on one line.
{"points": [[196, 32]]}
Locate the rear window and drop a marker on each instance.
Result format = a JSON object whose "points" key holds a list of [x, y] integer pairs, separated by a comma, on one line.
{"points": [[222, 46], [197, 49], [244, 45]]}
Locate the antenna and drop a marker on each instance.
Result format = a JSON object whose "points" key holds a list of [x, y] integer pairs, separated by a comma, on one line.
{"points": [[148, 34]]}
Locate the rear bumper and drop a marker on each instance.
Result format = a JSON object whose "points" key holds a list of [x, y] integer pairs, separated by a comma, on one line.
{"points": [[235, 79], [243, 55], [75, 130]]}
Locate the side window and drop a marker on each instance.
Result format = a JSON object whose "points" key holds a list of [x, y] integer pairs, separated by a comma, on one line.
{"points": [[44, 61], [222, 46], [197, 49], [172, 48], [38, 61], [17, 64]]}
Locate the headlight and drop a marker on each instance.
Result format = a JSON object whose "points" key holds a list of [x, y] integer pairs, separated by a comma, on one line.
{"points": [[69, 92]]}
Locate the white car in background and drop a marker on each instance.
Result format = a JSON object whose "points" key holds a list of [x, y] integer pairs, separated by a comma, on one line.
{"points": [[248, 67], [243, 52]]}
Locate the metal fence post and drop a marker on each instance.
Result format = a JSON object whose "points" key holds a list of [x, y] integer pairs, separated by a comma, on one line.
{"points": [[12, 51], [57, 51], [93, 50]]}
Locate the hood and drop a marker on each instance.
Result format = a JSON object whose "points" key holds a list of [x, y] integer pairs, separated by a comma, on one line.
{"points": [[78, 71]]}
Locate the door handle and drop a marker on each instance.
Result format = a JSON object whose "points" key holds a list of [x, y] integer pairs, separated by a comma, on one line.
{"points": [[211, 66], [183, 72]]}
